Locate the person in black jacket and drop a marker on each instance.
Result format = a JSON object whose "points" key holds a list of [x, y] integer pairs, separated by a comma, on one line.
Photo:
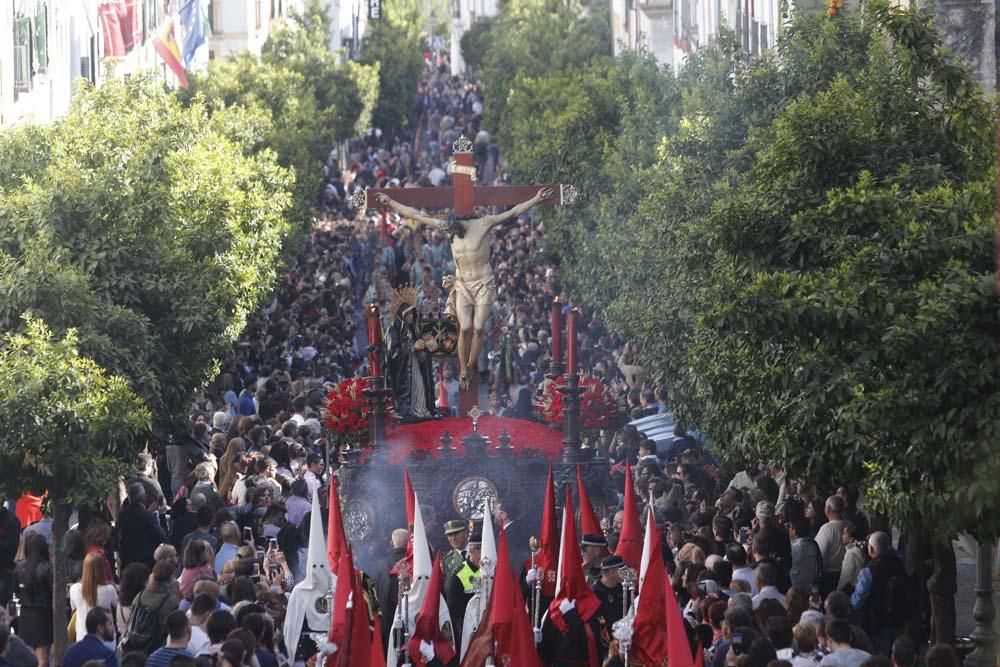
{"points": [[387, 584], [10, 534], [139, 529], [574, 646], [881, 596], [34, 583]]}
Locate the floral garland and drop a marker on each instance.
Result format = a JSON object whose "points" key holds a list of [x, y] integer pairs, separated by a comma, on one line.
{"points": [[598, 408], [346, 410]]}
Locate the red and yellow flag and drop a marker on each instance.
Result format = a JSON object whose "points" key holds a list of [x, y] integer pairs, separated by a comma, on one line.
{"points": [[165, 44]]}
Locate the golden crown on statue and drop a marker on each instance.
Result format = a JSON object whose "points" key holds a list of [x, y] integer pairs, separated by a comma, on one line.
{"points": [[401, 295]]}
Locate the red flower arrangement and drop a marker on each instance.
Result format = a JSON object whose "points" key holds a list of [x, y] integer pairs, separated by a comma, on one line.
{"points": [[346, 409], [598, 408]]}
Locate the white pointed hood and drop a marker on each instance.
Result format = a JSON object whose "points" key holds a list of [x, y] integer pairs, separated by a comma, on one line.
{"points": [[647, 546], [477, 606], [422, 568], [562, 547], [421, 549], [647, 551], [489, 538], [309, 604]]}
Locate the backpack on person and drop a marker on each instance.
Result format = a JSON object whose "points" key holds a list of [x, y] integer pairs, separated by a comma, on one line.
{"points": [[143, 631]]}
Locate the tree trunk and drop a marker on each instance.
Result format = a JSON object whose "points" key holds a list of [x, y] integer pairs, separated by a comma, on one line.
{"points": [[60, 524], [942, 588]]}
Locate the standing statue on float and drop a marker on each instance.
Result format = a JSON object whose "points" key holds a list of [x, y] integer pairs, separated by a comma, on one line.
{"points": [[474, 282], [409, 361]]}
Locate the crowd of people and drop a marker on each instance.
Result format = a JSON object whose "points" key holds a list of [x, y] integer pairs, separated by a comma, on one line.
{"points": [[212, 538]]}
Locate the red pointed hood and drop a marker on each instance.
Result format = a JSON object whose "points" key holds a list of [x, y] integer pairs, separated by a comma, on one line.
{"points": [[336, 541], [341, 616], [678, 647], [361, 645], [377, 656], [572, 585], [410, 512], [428, 626], [589, 523], [481, 645], [630, 540], [547, 558], [511, 629], [649, 645]]}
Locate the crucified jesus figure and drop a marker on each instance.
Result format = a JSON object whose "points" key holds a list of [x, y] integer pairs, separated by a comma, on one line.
{"points": [[475, 285]]}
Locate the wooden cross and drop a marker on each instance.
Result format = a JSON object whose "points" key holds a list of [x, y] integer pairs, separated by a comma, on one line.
{"points": [[463, 197]]}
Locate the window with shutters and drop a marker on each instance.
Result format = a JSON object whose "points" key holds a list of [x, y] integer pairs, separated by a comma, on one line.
{"points": [[23, 70], [41, 46]]}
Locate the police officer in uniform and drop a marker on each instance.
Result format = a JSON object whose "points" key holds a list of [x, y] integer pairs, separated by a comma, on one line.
{"points": [[609, 589], [595, 549], [460, 586], [456, 532]]}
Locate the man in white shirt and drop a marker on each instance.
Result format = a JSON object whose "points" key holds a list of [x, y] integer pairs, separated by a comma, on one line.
{"points": [[737, 556], [314, 468], [829, 539], [766, 579], [201, 608], [746, 479]]}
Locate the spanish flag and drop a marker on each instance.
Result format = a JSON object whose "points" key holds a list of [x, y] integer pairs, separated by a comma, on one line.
{"points": [[165, 44]]}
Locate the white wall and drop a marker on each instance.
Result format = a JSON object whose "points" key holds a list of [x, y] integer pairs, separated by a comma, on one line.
{"points": [[238, 25], [646, 24]]}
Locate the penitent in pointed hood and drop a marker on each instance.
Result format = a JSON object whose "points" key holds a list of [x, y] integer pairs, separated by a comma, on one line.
{"points": [[420, 581], [630, 540], [428, 628], [547, 559], [336, 540], [589, 523], [308, 604], [477, 606], [572, 585]]}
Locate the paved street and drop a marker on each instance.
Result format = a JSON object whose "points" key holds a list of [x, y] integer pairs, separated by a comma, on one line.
{"points": [[966, 591]]}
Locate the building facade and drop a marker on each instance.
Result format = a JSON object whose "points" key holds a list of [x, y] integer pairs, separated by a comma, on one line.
{"points": [[49, 48], [45, 47], [463, 14], [244, 25], [672, 29], [348, 19]]}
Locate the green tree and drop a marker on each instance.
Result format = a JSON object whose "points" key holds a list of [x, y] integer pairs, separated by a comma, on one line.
{"points": [[298, 100], [394, 44], [285, 121], [811, 269], [533, 39], [345, 91], [137, 223], [476, 42], [596, 127], [67, 426]]}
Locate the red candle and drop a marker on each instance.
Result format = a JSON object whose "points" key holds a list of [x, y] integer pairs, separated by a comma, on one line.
{"points": [[557, 331], [374, 339], [571, 341]]}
